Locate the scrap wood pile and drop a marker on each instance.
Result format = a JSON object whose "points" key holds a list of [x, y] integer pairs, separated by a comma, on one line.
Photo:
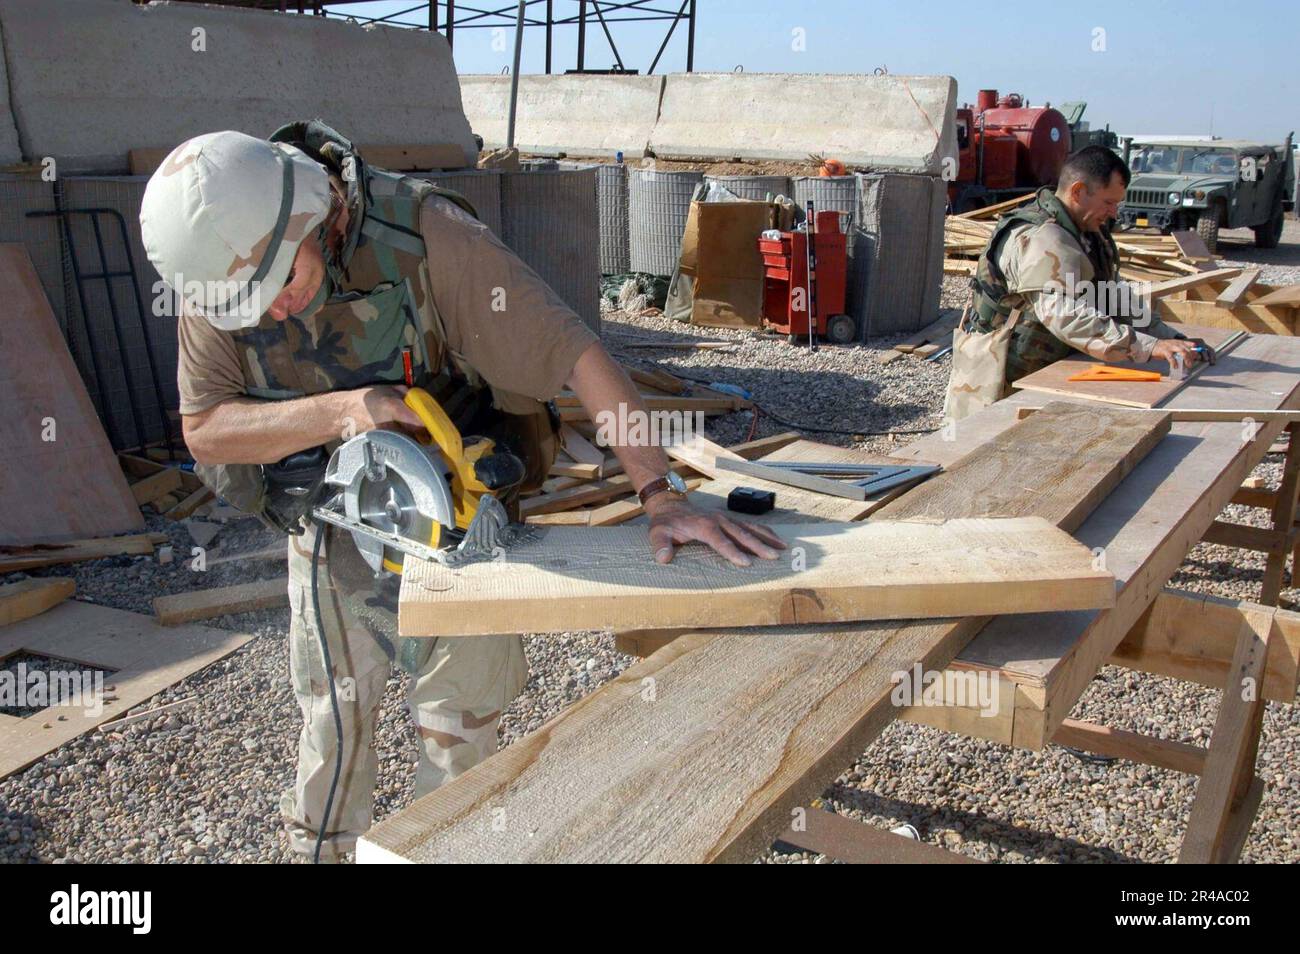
{"points": [[586, 481], [1143, 257]]}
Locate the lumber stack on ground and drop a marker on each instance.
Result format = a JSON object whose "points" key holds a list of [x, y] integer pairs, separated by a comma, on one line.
{"points": [[743, 726]]}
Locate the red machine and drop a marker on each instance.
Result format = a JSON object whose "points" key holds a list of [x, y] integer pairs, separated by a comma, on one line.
{"points": [[1005, 149], [785, 269]]}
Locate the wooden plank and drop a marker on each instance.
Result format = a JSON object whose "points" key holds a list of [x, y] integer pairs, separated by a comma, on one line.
{"points": [[28, 598], [562, 467], [1207, 314], [1054, 379], [156, 485], [205, 604], [855, 842], [1131, 746], [581, 449], [1231, 296], [1203, 414], [735, 729], [189, 504], [564, 578], [991, 211], [60, 479], [145, 658], [793, 504], [1187, 282], [1286, 295], [76, 551]]}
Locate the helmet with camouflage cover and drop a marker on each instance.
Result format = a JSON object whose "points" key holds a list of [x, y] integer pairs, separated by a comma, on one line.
{"points": [[223, 217]]}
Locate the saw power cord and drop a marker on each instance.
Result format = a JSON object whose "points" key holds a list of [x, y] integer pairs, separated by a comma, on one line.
{"points": [[334, 699]]}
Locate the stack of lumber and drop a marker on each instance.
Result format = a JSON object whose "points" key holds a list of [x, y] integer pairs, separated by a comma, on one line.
{"points": [[1143, 257], [934, 338], [587, 481]]}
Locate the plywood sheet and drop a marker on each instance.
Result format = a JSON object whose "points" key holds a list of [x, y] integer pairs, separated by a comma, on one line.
{"points": [[50, 490], [1053, 379], [145, 657]]}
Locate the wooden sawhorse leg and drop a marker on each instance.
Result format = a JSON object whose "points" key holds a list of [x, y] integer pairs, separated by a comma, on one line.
{"points": [[1284, 511], [1228, 793]]}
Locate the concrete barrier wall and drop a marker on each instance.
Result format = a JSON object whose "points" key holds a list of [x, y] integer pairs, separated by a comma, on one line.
{"points": [[894, 123], [576, 115], [88, 80], [889, 123]]}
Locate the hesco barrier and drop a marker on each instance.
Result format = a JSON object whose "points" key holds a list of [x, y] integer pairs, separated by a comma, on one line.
{"points": [[658, 203], [754, 187], [898, 252], [611, 207], [548, 217], [481, 187]]}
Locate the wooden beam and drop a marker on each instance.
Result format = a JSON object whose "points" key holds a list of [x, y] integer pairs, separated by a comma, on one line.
{"points": [[17, 557], [205, 604], [156, 485], [862, 843], [1131, 746], [564, 578], [1288, 295], [1205, 415], [1192, 637], [1229, 777], [736, 729], [1186, 282], [1231, 296], [27, 598]]}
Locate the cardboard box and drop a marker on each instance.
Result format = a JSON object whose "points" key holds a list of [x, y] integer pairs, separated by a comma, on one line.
{"points": [[720, 254]]}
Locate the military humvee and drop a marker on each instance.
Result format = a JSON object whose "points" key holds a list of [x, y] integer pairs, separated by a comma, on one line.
{"points": [[1210, 184]]}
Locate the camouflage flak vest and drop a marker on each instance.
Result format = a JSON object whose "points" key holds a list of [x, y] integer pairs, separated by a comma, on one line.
{"points": [[1031, 346], [381, 308]]}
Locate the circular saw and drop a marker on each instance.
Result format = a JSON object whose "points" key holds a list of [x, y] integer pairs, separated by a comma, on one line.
{"points": [[400, 497]]}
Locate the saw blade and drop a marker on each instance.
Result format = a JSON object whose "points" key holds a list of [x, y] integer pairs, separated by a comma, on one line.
{"points": [[389, 506]]}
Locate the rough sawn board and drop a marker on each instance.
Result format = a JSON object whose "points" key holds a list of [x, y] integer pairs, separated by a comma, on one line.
{"points": [[572, 578]]}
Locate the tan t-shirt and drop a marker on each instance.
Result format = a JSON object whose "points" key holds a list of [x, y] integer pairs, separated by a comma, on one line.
{"points": [[498, 314]]}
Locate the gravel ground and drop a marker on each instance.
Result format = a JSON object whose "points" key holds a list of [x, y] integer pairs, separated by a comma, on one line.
{"points": [[202, 782]]}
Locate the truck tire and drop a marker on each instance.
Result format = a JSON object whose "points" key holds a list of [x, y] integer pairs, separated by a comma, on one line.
{"points": [[1207, 227], [1270, 233]]}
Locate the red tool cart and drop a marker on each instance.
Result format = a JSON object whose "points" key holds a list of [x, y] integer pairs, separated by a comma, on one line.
{"points": [[785, 271]]}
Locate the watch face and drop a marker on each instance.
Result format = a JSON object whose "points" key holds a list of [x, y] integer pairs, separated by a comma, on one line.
{"points": [[675, 482]]}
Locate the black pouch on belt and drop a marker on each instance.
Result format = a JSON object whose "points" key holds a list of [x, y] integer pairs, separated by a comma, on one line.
{"points": [[292, 486]]}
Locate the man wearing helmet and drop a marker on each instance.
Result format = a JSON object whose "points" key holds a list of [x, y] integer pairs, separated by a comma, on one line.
{"points": [[306, 282]]}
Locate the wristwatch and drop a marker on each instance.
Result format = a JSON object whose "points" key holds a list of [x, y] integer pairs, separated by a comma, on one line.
{"points": [[671, 482]]}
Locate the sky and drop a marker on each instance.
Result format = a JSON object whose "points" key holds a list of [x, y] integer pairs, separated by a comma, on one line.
{"points": [[1145, 67]]}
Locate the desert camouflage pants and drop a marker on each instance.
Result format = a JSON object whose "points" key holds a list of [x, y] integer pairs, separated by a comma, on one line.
{"points": [[455, 697]]}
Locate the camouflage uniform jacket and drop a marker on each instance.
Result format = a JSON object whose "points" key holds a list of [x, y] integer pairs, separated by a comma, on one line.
{"points": [[1066, 284]]}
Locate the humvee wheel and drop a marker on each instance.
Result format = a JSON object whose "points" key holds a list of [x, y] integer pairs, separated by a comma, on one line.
{"points": [[1207, 227]]}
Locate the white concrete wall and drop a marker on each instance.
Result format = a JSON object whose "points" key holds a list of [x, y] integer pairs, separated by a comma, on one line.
{"points": [[578, 115], [888, 123], [89, 80]]}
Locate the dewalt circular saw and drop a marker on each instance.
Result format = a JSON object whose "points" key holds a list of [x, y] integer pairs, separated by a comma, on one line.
{"points": [[402, 497]]}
